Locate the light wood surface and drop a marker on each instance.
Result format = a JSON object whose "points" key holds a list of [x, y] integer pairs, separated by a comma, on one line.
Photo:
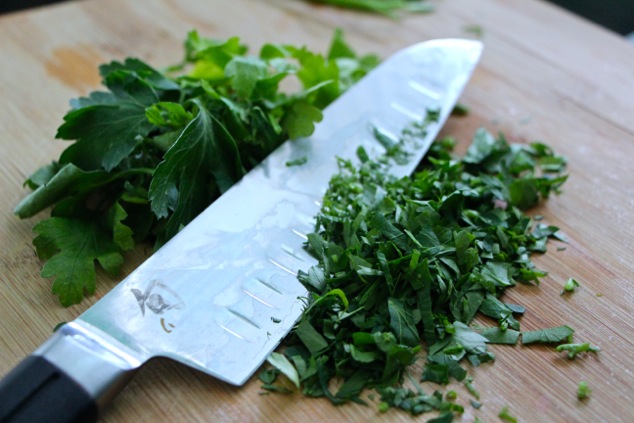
{"points": [[545, 75]]}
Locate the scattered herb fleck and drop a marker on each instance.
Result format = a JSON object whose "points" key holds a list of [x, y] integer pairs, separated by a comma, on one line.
{"points": [[58, 326], [297, 162], [475, 30], [574, 349], [468, 383], [583, 390], [549, 335], [506, 416], [570, 286], [460, 109]]}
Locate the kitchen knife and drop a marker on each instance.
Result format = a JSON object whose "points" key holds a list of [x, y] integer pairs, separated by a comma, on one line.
{"points": [[223, 293]]}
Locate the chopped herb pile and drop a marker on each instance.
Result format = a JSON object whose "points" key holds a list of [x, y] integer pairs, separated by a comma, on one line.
{"points": [[155, 148], [406, 263], [390, 8]]}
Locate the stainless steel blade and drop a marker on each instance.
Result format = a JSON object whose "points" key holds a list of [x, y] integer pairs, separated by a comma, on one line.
{"points": [[222, 294]]}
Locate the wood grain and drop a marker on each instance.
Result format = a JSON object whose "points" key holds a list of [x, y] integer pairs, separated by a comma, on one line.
{"points": [[545, 75]]}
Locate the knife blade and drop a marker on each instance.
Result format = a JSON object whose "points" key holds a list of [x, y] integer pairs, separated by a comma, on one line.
{"points": [[223, 293]]}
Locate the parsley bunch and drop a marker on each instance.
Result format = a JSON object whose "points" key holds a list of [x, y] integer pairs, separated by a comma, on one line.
{"points": [[410, 262], [157, 147]]}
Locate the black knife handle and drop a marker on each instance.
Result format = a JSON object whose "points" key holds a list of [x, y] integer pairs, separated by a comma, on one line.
{"points": [[38, 391], [69, 379]]}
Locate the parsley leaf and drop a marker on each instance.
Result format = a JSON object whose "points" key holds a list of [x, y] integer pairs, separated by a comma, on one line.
{"points": [[180, 182], [402, 323], [300, 119], [280, 362], [72, 245], [109, 126]]}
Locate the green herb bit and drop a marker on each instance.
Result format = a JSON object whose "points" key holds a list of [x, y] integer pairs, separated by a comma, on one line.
{"points": [[475, 404], [297, 162], [58, 326], [281, 363], [475, 30], [506, 416], [446, 417], [275, 388], [268, 376], [574, 349], [570, 286], [583, 390], [549, 335], [468, 383], [460, 110], [414, 402]]}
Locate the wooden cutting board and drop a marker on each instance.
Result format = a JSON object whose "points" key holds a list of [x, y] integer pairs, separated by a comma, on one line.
{"points": [[545, 75]]}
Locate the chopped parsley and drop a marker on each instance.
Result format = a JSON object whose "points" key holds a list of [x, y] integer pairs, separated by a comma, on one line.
{"points": [[407, 263]]}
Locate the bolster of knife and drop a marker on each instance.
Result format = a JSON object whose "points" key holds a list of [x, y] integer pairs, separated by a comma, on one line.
{"points": [[69, 378]]}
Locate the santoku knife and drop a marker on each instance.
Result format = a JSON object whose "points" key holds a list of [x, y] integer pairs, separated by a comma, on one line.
{"points": [[223, 293]]}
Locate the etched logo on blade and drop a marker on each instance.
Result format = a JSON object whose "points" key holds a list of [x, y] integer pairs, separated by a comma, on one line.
{"points": [[158, 298]]}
